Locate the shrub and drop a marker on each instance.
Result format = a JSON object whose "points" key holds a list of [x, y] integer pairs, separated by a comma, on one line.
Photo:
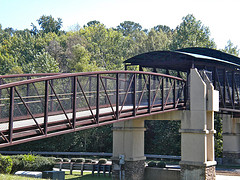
{"points": [[32, 163], [152, 164], [78, 160], [161, 164], [58, 160], [102, 161], [66, 160], [88, 160], [5, 164]]}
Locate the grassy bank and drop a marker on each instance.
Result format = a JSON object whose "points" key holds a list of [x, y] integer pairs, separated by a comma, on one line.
{"points": [[75, 176]]}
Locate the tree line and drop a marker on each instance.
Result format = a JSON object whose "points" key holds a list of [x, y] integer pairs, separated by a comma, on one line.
{"points": [[95, 47]]}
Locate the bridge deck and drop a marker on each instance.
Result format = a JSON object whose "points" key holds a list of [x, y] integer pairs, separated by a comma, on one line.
{"points": [[58, 104]]}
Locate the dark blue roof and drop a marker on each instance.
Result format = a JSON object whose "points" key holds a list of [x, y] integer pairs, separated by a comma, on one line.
{"points": [[182, 59]]}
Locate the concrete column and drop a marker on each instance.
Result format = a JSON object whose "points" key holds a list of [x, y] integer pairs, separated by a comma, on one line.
{"points": [[231, 139], [197, 132], [128, 143]]}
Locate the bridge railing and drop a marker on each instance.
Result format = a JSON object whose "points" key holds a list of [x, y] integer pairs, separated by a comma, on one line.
{"points": [[47, 106]]}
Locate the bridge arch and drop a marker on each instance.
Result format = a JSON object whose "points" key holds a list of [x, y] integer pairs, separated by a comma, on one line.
{"points": [[43, 107]]}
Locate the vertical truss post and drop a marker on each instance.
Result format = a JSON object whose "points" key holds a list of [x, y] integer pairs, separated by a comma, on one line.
{"points": [[0, 98], [74, 101], [163, 94], [233, 89], [215, 77], [90, 89], [224, 86], [98, 98], [46, 106], [174, 93], [134, 94], [51, 96], [11, 114], [117, 96], [149, 93]]}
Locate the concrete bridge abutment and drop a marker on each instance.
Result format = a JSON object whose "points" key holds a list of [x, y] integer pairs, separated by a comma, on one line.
{"points": [[231, 139], [197, 130], [197, 136], [128, 150]]}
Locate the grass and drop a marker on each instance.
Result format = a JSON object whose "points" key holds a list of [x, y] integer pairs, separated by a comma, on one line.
{"points": [[86, 176], [12, 177], [74, 176]]}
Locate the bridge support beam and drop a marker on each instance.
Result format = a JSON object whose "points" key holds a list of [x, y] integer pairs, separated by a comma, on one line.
{"points": [[128, 150], [197, 131], [231, 139]]}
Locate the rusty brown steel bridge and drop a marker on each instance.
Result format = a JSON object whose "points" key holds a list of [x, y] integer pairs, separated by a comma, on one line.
{"points": [[47, 106], [36, 106]]}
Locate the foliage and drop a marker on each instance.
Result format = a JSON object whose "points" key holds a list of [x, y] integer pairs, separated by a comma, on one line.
{"points": [[44, 63], [191, 33], [5, 164], [128, 27], [102, 161], [218, 136], [165, 137], [31, 163], [231, 49], [49, 24], [161, 164], [95, 47], [152, 164]]}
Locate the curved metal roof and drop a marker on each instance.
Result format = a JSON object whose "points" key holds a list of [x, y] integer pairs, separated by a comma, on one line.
{"points": [[182, 59]]}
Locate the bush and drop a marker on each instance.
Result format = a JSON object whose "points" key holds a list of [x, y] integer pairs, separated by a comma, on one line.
{"points": [[78, 160], [5, 164], [88, 160], [161, 164], [66, 160], [32, 163], [102, 161], [152, 164], [58, 160]]}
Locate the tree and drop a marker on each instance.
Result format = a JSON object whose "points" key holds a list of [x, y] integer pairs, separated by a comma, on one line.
{"points": [[49, 24], [163, 28], [191, 33], [107, 46], [44, 63], [231, 49], [128, 27], [93, 23], [80, 60], [157, 41]]}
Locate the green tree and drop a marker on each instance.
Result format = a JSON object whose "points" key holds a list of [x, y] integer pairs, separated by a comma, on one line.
{"points": [[80, 60], [156, 41], [93, 23], [44, 63], [192, 33], [108, 47], [163, 28], [49, 24], [128, 27], [231, 49]]}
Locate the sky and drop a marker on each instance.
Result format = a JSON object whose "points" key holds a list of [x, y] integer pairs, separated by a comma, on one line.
{"points": [[221, 16]]}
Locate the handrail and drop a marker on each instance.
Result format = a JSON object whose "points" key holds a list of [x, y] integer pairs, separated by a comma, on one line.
{"points": [[48, 106], [65, 75]]}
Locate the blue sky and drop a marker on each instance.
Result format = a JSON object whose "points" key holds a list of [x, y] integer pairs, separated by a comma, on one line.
{"points": [[221, 16]]}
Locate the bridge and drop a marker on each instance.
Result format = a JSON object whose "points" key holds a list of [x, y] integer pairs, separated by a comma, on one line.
{"points": [[187, 84]]}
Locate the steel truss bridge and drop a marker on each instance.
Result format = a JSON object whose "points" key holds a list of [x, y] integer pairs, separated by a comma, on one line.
{"points": [[36, 106], [40, 107]]}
